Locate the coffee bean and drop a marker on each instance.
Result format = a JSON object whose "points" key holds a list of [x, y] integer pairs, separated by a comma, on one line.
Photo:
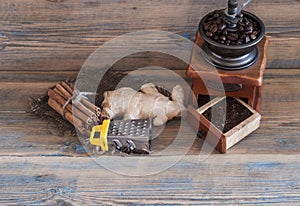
{"points": [[221, 27], [223, 38], [246, 21], [213, 16], [209, 34], [216, 38], [241, 28], [225, 32], [213, 28], [248, 32], [242, 36], [206, 25], [249, 28], [247, 39], [254, 32], [232, 36], [219, 20], [253, 37]]}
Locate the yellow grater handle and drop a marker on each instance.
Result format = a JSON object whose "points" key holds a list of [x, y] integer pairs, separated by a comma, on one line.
{"points": [[98, 136]]}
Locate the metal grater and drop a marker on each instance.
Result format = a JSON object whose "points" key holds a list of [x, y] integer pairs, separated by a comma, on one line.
{"points": [[135, 133]]}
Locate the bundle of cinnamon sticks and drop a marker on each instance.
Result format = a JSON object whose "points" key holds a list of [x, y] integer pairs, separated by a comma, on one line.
{"points": [[82, 113]]}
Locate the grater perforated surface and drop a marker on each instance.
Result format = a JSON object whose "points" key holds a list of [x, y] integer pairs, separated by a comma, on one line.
{"points": [[136, 129]]}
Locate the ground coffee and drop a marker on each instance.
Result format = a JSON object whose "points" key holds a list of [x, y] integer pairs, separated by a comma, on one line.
{"points": [[227, 114]]}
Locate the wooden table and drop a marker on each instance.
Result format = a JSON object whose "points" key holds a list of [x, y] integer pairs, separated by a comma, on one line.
{"points": [[46, 41], [38, 166]]}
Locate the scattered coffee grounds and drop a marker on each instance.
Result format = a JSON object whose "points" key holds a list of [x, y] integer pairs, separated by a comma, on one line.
{"points": [[216, 28], [228, 113], [40, 108]]}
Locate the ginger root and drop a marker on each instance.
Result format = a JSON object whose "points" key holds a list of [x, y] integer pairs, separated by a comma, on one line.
{"points": [[146, 103]]}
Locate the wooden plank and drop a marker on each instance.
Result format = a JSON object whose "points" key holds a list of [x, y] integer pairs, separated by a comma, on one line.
{"points": [[219, 180], [32, 76], [39, 167], [44, 35], [24, 134], [279, 84], [284, 53], [14, 96]]}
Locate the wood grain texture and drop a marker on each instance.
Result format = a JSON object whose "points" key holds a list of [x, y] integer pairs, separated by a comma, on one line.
{"points": [[279, 130], [219, 180], [39, 166], [43, 42], [40, 35]]}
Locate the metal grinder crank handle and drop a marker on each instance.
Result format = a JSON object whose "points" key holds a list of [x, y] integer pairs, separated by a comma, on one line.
{"points": [[232, 11], [235, 7]]}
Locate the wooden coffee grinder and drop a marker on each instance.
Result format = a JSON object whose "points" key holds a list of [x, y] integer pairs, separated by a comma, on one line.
{"points": [[229, 57], [235, 45]]}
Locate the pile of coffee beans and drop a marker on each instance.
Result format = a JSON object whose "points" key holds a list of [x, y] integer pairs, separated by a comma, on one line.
{"points": [[217, 29]]}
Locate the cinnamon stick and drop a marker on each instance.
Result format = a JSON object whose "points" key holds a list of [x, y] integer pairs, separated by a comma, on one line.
{"points": [[58, 92], [79, 105], [84, 101], [64, 92], [76, 112], [92, 107], [58, 98], [67, 87], [72, 119], [85, 110], [86, 119]]}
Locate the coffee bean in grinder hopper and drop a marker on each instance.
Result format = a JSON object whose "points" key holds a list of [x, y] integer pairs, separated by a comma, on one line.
{"points": [[231, 36]]}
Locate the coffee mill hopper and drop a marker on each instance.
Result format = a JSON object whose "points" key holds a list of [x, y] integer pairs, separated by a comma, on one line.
{"points": [[231, 36]]}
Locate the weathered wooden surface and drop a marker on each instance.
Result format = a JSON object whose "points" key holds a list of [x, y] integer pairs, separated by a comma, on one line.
{"points": [[41, 167], [58, 35], [43, 42], [220, 180], [280, 109]]}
